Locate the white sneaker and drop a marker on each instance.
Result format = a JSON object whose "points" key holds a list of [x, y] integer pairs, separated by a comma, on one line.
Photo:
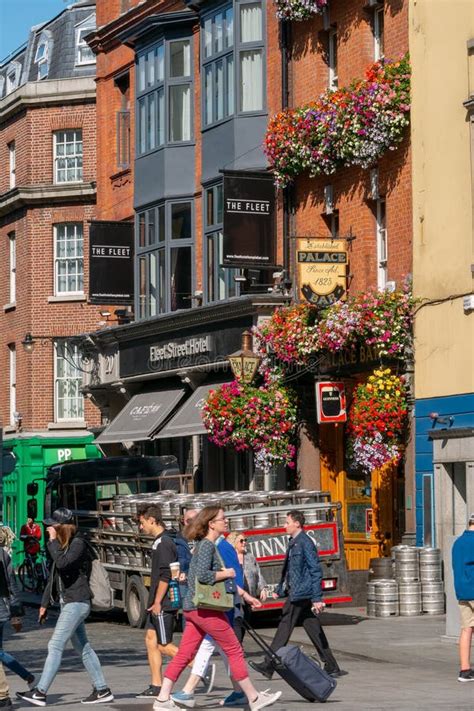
{"points": [[165, 705], [263, 699]]}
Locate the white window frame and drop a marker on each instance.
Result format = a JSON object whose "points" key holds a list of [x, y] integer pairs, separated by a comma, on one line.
{"points": [[11, 82], [78, 259], [382, 243], [12, 381], [74, 156], [378, 25], [332, 58], [81, 44], [44, 60], [72, 357], [12, 164], [12, 266]]}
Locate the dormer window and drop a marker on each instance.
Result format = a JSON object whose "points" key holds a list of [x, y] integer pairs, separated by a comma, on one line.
{"points": [[84, 54], [42, 59], [13, 77], [11, 83]]}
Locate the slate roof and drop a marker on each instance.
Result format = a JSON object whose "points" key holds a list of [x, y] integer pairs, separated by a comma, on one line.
{"points": [[60, 36]]}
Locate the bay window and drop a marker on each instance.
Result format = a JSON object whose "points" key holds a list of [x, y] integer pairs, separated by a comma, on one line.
{"points": [[165, 258], [164, 95], [218, 65]]}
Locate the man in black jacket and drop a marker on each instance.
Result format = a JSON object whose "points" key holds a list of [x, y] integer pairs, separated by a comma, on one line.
{"points": [[301, 583], [161, 615]]}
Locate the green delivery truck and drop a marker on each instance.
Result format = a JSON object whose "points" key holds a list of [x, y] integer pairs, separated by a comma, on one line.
{"points": [[34, 454]]}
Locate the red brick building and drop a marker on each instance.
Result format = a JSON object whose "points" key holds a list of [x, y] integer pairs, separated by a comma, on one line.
{"points": [[47, 197], [201, 81]]}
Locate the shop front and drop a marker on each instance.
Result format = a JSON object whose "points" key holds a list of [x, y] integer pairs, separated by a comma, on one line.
{"points": [[155, 378]]}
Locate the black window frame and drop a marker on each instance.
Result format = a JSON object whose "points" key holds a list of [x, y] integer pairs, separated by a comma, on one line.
{"points": [[160, 88], [154, 245], [212, 232]]}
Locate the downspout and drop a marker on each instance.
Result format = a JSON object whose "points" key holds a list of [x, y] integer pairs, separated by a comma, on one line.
{"points": [[285, 43]]}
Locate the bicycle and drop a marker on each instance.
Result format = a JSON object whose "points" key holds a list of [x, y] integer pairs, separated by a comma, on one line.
{"points": [[33, 573]]}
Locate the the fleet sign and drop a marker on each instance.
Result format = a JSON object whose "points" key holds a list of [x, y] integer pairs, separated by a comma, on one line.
{"points": [[322, 270], [330, 402], [249, 220], [111, 262]]}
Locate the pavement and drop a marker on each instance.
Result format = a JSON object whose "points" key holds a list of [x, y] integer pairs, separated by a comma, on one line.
{"points": [[394, 663]]}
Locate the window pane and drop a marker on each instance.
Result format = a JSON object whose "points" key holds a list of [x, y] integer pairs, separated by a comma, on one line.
{"points": [[251, 95], [142, 124], [219, 90], [230, 86], [141, 73], [208, 95], [142, 288], [150, 66], [180, 59], [208, 37], [229, 27], [210, 207], [210, 268], [180, 278], [181, 220], [151, 227], [161, 224], [151, 122], [251, 22], [180, 113], [161, 62], [141, 230], [152, 281], [161, 117], [218, 32], [161, 281], [219, 204]]}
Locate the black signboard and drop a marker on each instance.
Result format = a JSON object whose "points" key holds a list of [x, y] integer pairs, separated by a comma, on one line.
{"points": [[249, 220], [111, 262]]}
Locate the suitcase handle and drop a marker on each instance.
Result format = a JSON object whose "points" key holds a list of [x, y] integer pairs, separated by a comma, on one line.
{"points": [[262, 643]]}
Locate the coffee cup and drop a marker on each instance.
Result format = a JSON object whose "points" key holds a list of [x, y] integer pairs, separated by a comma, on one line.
{"points": [[174, 568]]}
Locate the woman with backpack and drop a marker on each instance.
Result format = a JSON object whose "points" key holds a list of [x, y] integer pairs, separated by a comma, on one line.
{"points": [[69, 577]]}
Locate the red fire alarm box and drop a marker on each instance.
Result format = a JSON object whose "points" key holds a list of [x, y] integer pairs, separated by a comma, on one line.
{"points": [[331, 402]]}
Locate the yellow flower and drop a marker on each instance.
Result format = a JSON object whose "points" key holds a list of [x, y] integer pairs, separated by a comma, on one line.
{"points": [[397, 392]]}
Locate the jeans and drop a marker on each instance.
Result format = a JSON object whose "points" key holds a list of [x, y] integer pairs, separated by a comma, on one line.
{"points": [[4, 690], [10, 662], [70, 626]]}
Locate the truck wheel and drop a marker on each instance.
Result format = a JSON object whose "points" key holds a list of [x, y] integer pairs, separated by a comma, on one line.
{"points": [[136, 601]]}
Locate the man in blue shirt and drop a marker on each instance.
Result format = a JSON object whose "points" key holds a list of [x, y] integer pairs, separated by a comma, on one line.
{"points": [[463, 569]]}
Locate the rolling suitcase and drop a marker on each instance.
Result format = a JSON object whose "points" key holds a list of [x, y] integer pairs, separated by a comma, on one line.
{"points": [[300, 672]]}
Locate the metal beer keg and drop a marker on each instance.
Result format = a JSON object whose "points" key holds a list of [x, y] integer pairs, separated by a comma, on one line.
{"points": [[430, 565], [371, 599], [432, 598], [407, 564], [409, 595], [386, 598]]}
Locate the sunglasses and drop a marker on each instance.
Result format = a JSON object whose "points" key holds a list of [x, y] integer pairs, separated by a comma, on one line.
{"points": [[242, 540]]}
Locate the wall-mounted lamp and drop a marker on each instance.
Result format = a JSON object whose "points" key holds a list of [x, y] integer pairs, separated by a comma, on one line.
{"points": [[441, 420]]}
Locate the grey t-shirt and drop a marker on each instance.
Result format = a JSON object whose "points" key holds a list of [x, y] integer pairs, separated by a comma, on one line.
{"points": [[204, 564]]}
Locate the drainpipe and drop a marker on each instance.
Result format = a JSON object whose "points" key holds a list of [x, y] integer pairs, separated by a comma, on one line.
{"points": [[285, 44]]}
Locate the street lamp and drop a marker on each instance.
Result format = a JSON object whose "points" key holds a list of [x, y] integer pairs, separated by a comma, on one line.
{"points": [[244, 363], [79, 360]]}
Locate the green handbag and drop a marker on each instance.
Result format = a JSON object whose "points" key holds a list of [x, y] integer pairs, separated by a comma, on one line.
{"points": [[213, 597]]}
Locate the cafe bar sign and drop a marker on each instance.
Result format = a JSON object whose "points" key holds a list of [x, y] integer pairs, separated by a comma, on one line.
{"points": [[249, 220], [322, 270]]}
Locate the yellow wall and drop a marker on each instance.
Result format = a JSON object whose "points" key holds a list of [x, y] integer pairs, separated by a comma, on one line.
{"points": [[442, 194]]}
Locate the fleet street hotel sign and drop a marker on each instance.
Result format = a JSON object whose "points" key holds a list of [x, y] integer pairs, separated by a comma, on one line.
{"points": [[249, 220], [322, 270], [174, 349]]}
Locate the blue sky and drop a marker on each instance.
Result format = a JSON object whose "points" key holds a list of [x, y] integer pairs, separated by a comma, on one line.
{"points": [[17, 16]]}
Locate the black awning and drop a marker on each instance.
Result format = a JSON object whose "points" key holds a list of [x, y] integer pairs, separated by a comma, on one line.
{"points": [[188, 419], [141, 416]]}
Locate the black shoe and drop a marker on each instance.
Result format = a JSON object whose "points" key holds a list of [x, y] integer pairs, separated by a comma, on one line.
{"points": [[467, 675], [149, 693], [6, 703], [34, 697], [335, 672], [262, 669], [103, 696]]}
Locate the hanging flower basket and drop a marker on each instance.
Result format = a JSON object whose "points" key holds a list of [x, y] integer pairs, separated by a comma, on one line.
{"points": [[299, 9], [354, 125], [250, 418], [377, 421]]}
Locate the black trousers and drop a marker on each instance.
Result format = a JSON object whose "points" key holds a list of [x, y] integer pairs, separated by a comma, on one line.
{"points": [[300, 611]]}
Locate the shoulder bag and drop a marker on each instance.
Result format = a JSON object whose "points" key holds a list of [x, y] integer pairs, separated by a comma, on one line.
{"points": [[215, 596]]}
